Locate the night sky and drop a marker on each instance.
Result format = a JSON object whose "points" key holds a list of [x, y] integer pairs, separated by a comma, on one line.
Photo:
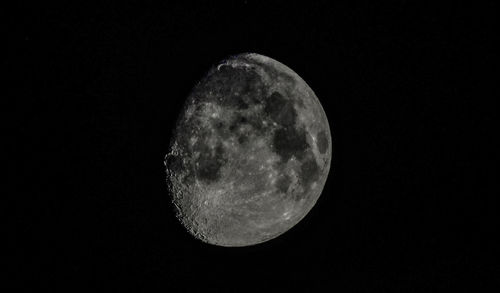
{"points": [[409, 203]]}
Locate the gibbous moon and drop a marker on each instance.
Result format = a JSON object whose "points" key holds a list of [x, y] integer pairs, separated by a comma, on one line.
{"points": [[250, 153]]}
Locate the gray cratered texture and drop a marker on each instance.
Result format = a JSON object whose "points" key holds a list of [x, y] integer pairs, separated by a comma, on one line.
{"points": [[250, 153]]}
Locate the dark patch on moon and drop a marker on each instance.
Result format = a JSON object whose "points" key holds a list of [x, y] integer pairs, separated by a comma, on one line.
{"points": [[239, 121], [256, 121], [322, 142], [280, 110], [290, 141], [209, 162], [283, 183], [241, 128], [309, 172], [219, 125], [243, 138], [221, 128]]}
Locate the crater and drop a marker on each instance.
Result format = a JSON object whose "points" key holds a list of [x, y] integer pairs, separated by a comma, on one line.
{"points": [[237, 123], [174, 163], [243, 138]]}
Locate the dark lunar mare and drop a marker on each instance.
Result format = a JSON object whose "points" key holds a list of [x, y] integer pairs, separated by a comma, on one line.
{"points": [[322, 142], [210, 161], [289, 139], [309, 171], [280, 110]]}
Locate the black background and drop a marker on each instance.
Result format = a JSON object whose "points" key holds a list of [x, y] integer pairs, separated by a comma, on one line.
{"points": [[409, 202]]}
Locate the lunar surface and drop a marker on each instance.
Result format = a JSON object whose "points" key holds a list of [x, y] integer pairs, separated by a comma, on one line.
{"points": [[250, 153]]}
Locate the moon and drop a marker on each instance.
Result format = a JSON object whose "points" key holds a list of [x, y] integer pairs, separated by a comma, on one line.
{"points": [[250, 152]]}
